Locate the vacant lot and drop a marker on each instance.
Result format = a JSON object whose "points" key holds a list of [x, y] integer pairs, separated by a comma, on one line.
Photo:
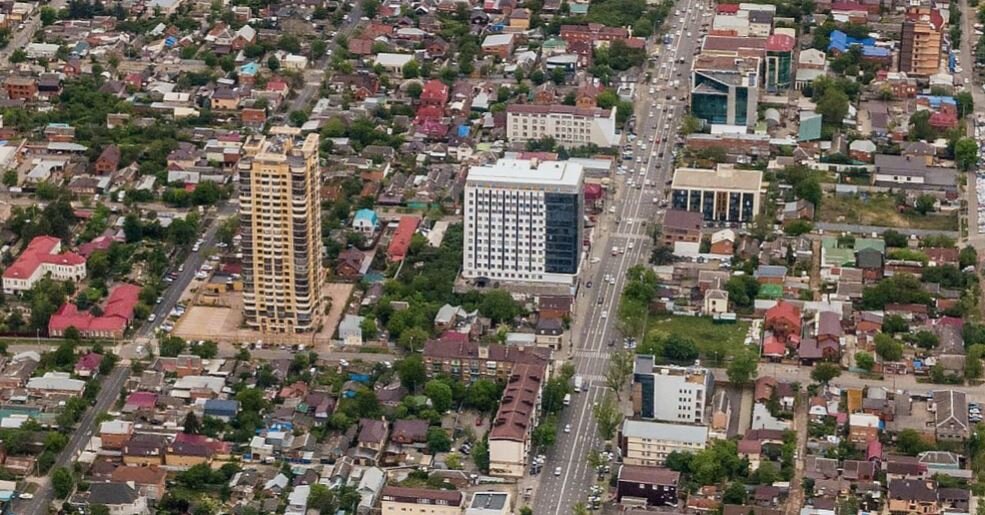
{"points": [[711, 338], [880, 210]]}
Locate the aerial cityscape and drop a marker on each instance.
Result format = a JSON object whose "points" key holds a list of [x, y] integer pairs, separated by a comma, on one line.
{"points": [[498, 257]]}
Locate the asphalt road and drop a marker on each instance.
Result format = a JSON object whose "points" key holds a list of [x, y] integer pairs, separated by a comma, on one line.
{"points": [[595, 324], [313, 78], [21, 38], [108, 394]]}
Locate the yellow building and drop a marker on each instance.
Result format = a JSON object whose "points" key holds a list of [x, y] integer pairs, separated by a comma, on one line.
{"points": [[280, 215], [921, 41]]}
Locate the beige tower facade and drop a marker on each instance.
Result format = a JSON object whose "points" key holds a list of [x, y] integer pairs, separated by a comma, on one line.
{"points": [[280, 224]]}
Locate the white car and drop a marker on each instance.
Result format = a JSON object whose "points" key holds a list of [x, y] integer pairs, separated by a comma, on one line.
{"points": [[557, 471], [605, 314], [630, 245], [567, 428], [25, 495], [152, 317]]}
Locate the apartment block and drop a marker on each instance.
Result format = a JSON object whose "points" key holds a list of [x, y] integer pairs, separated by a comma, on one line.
{"points": [[648, 443], [280, 214], [725, 89], [570, 126], [523, 221], [510, 434], [725, 194], [671, 393], [921, 41], [470, 361]]}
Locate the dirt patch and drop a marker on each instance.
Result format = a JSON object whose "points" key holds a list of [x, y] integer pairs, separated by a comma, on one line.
{"points": [[880, 210], [225, 323]]}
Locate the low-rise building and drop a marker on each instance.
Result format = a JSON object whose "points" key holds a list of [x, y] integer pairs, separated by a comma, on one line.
{"points": [[43, 256], [951, 415], [569, 126], [397, 500], [725, 194], [671, 393], [489, 503], [648, 443], [653, 486]]}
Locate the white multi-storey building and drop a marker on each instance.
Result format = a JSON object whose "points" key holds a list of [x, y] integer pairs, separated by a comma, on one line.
{"points": [[648, 443], [570, 126], [523, 221], [671, 393]]}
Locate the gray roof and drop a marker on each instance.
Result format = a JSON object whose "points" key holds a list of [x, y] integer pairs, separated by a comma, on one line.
{"points": [[662, 431], [489, 500], [111, 494]]}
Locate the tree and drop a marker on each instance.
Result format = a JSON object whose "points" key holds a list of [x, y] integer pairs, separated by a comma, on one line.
{"points": [[893, 324], [553, 396], [370, 8], [192, 425], [411, 371], [966, 103], [607, 416], [579, 509], [620, 369], [368, 326], [62, 482], [742, 369], [966, 153], [865, 361], [926, 340], [894, 238], [10, 178], [742, 290], [412, 338], [680, 349], [973, 361], [480, 454], [414, 89], [968, 257], [440, 394], [888, 348], [273, 63], [48, 16], [833, 106], [825, 372], [925, 204], [910, 442], [545, 434], [482, 395], [735, 493], [438, 440], [499, 306], [412, 69], [297, 119], [18, 56]]}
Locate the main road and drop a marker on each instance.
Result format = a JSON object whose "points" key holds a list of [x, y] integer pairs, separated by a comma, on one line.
{"points": [[595, 334], [108, 393]]}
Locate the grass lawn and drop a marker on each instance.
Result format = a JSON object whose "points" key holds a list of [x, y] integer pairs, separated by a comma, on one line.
{"points": [[880, 210], [706, 334]]}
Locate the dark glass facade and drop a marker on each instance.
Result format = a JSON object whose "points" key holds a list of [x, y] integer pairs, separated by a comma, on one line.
{"points": [[562, 213], [646, 392]]}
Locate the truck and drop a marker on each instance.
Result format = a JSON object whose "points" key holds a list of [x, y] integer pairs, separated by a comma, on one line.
{"points": [[567, 399], [578, 383]]}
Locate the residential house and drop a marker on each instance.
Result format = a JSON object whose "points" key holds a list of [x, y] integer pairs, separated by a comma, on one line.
{"points": [[108, 161], [951, 415], [118, 498]]}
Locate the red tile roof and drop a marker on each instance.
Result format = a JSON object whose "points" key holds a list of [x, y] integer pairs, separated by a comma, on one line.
{"points": [[727, 8], [435, 92], [117, 313], [40, 251], [400, 243], [780, 43], [89, 362], [784, 311]]}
